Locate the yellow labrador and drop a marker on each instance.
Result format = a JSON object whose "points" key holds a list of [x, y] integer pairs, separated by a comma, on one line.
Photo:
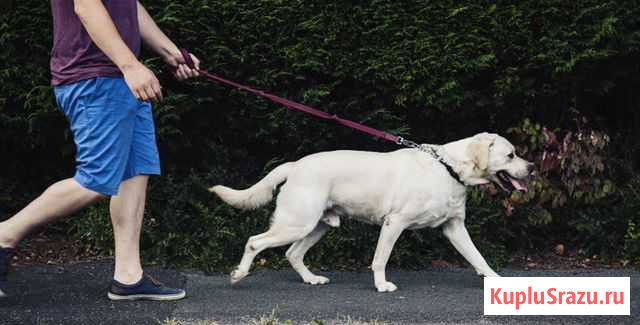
{"points": [[403, 189]]}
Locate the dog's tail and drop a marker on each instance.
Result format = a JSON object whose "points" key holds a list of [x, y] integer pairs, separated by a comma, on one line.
{"points": [[258, 194]]}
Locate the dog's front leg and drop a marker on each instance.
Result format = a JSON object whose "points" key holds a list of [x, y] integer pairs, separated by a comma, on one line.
{"points": [[391, 230], [457, 234]]}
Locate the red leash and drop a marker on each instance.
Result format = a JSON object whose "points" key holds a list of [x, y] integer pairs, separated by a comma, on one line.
{"points": [[301, 107]]}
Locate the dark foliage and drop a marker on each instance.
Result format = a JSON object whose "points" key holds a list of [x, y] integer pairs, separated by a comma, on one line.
{"points": [[543, 73]]}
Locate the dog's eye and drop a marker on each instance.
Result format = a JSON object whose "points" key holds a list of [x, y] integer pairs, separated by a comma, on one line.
{"points": [[511, 155]]}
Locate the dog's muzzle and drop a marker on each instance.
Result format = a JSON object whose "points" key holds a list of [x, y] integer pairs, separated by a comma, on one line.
{"points": [[510, 183]]}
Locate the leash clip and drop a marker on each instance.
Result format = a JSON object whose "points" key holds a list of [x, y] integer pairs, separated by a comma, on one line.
{"points": [[408, 143]]}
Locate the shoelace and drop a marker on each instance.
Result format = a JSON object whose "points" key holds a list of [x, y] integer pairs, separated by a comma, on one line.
{"points": [[154, 281]]}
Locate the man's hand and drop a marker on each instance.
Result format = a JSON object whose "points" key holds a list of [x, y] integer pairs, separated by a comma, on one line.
{"points": [[142, 82], [181, 70]]}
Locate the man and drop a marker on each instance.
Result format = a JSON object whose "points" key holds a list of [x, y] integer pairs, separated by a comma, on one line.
{"points": [[104, 91]]}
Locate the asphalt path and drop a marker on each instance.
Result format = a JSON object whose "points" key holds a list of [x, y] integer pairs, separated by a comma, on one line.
{"points": [[76, 294]]}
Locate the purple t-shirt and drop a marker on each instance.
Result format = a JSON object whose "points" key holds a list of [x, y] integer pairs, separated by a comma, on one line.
{"points": [[74, 56]]}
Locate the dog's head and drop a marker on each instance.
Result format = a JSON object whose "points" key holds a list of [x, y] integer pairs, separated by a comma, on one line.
{"points": [[491, 158]]}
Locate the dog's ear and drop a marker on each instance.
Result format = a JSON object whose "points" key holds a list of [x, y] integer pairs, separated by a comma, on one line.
{"points": [[478, 150]]}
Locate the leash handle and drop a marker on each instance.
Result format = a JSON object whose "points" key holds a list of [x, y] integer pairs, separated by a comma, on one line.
{"points": [[187, 58]]}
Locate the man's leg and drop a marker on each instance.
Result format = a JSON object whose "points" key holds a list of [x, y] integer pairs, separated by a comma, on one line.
{"points": [[127, 212], [59, 200], [129, 281]]}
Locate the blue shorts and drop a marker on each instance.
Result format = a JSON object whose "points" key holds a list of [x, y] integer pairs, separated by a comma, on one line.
{"points": [[113, 132]]}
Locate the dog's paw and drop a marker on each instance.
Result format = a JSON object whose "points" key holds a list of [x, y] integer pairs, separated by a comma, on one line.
{"points": [[237, 275], [386, 287], [316, 279]]}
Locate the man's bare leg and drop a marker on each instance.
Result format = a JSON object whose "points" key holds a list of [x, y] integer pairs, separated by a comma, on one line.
{"points": [[58, 201], [127, 212]]}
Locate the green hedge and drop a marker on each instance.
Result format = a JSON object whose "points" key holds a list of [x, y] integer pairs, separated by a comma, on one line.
{"points": [[432, 71]]}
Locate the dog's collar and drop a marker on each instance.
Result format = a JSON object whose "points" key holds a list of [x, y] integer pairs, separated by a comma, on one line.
{"points": [[434, 152], [452, 172]]}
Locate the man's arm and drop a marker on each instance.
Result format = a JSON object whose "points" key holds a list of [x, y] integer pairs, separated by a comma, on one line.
{"points": [[153, 37], [97, 22]]}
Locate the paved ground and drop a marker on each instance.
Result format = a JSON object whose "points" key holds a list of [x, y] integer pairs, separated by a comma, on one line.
{"points": [[77, 295]]}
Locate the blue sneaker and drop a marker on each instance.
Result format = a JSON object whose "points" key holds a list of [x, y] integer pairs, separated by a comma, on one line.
{"points": [[147, 288], [6, 254]]}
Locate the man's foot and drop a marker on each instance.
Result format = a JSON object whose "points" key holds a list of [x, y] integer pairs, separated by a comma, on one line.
{"points": [[147, 288], [6, 254]]}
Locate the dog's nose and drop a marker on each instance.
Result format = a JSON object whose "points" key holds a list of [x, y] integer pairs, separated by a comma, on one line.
{"points": [[530, 167]]}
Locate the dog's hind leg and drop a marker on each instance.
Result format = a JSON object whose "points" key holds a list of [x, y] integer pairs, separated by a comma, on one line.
{"points": [[295, 255], [274, 237], [298, 210]]}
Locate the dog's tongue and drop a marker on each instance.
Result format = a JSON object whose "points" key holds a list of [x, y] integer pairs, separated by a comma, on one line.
{"points": [[519, 186]]}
